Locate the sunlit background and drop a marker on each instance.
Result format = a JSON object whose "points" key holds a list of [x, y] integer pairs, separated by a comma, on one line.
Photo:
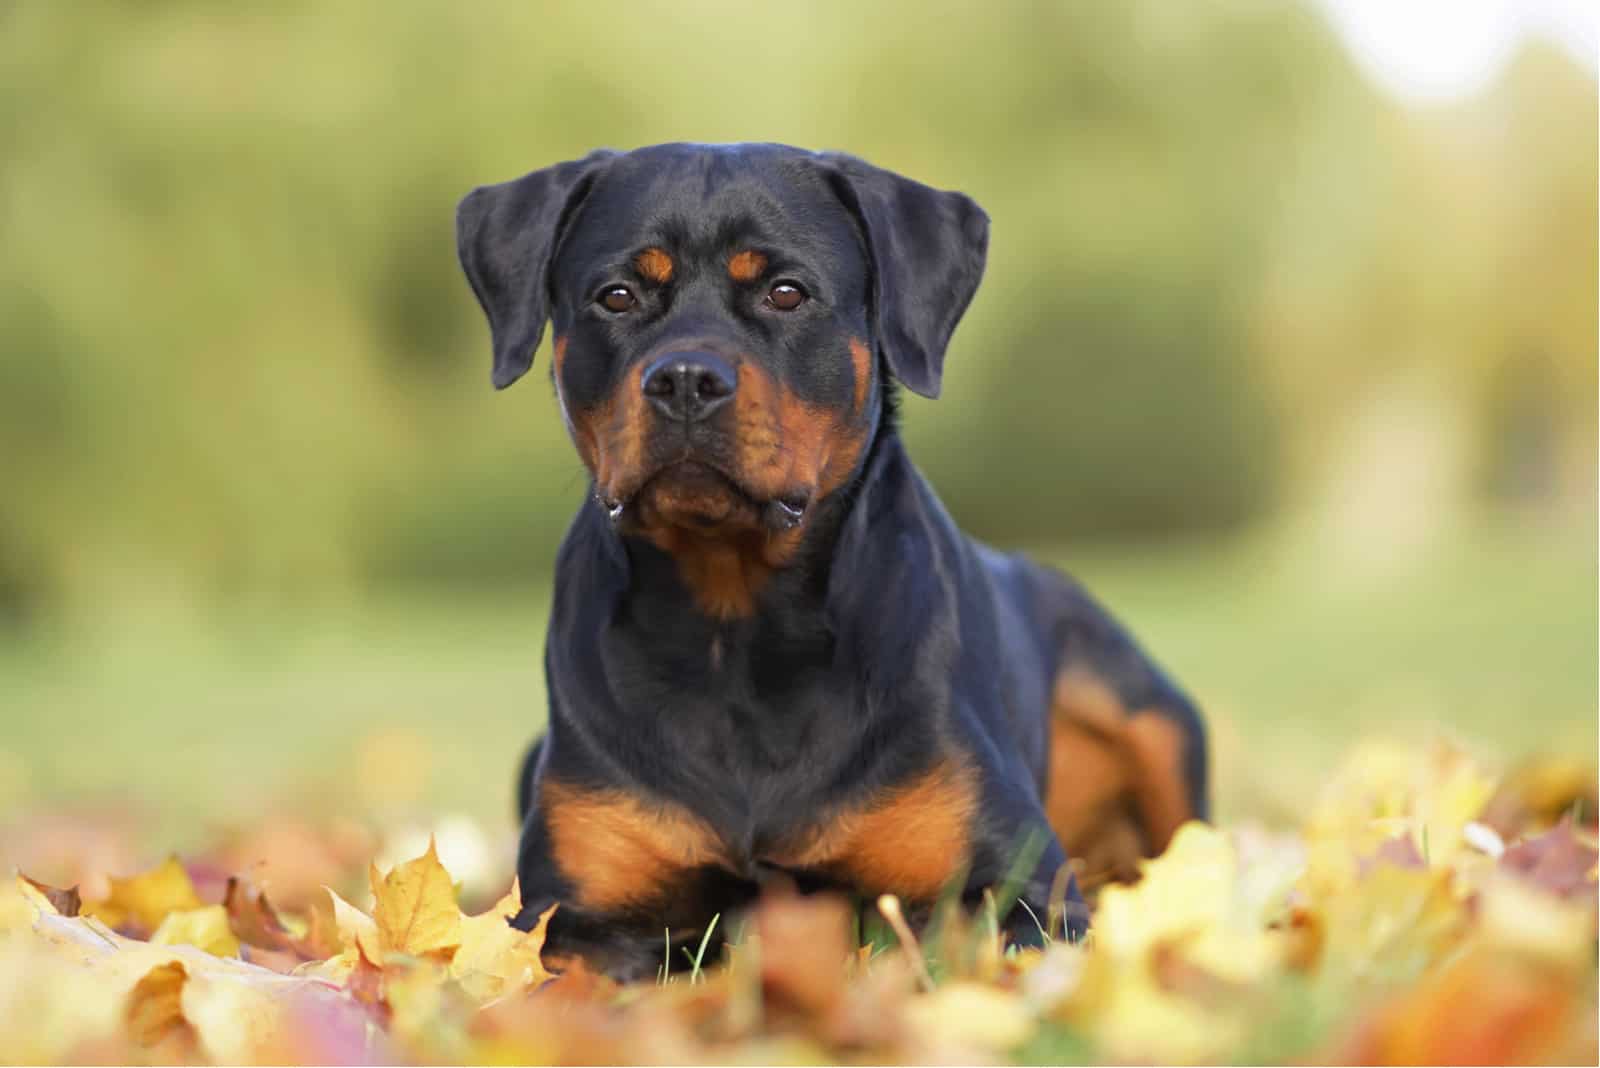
{"points": [[1287, 347]]}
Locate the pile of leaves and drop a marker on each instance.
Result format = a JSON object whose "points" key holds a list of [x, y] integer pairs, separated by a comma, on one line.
{"points": [[1424, 912]]}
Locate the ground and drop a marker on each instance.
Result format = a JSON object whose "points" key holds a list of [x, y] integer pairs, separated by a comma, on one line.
{"points": [[1402, 870]]}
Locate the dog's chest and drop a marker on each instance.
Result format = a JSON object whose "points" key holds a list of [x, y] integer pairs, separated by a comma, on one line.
{"points": [[752, 723]]}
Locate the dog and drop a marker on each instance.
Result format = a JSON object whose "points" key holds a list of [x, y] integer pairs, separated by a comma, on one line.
{"points": [[773, 658]]}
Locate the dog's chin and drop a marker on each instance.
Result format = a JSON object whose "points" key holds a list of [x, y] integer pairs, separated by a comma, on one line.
{"points": [[697, 498]]}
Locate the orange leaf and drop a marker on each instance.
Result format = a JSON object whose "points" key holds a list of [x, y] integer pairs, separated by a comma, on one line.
{"points": [[154, 1012]]}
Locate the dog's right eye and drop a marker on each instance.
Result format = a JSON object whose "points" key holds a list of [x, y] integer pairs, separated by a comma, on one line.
{"points": [[616, 299]]}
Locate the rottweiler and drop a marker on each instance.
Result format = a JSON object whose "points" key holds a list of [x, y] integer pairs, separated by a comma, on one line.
{"points": [[772, 655]]}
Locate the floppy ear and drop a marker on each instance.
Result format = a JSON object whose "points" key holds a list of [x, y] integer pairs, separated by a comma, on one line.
{"points": [[506, 235], [928, 248]]}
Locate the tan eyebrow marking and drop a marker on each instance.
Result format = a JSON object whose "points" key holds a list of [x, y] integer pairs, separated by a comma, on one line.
{"points": [[655, 265], [746, 266]]}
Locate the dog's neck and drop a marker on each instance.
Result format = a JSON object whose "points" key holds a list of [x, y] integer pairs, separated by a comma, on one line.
{"points": [[865, 593]]}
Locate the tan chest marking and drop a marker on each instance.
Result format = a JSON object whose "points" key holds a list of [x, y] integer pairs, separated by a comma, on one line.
{"points": [[618, 850], [909, 841]]}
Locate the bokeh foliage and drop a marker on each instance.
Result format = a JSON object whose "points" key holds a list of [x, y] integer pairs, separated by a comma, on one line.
{"points": [[237, 360]]}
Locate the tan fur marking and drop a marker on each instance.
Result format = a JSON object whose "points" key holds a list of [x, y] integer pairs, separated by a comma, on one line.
{"points": [[861, 361], [1116, 791], [618, 426], [619, 851], [744, 267], [786, 444], [909, 842], [655, 265], [1155, 751], [724, 574], [1086, 806]]}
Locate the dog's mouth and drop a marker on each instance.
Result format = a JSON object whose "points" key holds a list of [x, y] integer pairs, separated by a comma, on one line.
{"points": [[699, 497]]}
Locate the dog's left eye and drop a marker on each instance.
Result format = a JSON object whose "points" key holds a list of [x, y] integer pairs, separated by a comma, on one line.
{"points": [[617, 299], [786, 296]]}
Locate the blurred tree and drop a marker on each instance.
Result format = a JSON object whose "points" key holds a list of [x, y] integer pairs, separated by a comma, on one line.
{"points": [[236, 357]]}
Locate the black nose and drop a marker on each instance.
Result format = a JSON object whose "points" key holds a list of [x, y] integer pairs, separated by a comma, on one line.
{"points": [[688, 386]]}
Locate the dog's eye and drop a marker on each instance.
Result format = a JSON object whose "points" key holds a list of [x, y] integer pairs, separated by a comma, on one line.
{"points": [[786, 296], [617, 299]]}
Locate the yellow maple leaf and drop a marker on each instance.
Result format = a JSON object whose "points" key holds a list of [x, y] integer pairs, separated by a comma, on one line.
{"points": [[495, 957], [205, 928], [415, 907], [355, 927], [1384, 789], [1174, 953], [1392, 924], [357, 934], [145, 899], [1195, 895]]}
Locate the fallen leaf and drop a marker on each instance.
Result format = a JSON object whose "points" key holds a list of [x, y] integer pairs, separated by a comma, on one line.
{"points": [[1518, 916], [155, 1013], [495, 958], [205, 928], [968, 1015], [142, 901], [355, 927], [804, 944], [1557, 861], [63, 902], [415, 907], [1476, 1009]]}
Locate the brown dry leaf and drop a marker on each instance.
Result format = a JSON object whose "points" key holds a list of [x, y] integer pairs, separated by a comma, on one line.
{"points": [[62, 902], [252, 917], [495, 958], [322, 939], [805, 942], [415, 907], [142, 901], [155, 1017], [349, 931], [1539, 793], [365, 984], [1558, 861]]}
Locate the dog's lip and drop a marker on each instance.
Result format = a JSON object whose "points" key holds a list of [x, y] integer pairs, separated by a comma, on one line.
{"points": [[694, 467], [784, 511]]}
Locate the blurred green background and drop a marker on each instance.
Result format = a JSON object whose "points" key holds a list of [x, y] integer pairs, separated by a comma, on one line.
{"points": [[1300, 376]]}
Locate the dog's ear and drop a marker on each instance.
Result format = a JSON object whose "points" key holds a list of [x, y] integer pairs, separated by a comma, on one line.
{"points": [[927, 248], [506, 236]]}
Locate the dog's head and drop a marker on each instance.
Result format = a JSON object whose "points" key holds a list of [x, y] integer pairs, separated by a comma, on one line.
{"points": [[721, 315]]}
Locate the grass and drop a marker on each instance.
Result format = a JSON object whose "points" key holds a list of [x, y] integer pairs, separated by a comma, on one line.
{"points": [[422, 705]]}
